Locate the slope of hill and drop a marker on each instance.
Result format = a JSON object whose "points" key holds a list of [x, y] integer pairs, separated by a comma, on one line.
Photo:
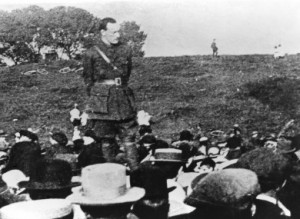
{"points": [[255, 91]]}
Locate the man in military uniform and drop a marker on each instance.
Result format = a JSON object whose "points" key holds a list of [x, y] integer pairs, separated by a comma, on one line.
{"points": [[107, 68]]}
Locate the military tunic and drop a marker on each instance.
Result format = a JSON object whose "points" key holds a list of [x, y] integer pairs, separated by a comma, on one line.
{"points": [[109, 102]]}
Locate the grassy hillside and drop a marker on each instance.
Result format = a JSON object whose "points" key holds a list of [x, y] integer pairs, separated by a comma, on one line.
{"points": [[255, 91]]}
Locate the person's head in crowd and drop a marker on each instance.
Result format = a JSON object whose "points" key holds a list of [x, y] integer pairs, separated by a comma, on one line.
{"points": [[58, 138], [155, 203], [89, 137], [39, 209], [237, 130], [203, 141], [185, 135], [169, 160], [224, 194], [144, 130], [213, 151], [24, 153], [272, 168], [3, 143], [284, 145], [207, 165], [104, 192], [110, 31], [185, 149], [149, 142], [51, 179], [233, 142], [78, 145], [26, 136], [161, 144], [110, 148], [12, 178]]}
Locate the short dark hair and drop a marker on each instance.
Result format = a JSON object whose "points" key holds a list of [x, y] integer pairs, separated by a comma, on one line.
{"points": [[105, 21], [208, 162]]}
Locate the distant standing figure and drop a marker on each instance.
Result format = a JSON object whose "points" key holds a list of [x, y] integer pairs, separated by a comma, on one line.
{"points": [[214, 48], [278, 54]]}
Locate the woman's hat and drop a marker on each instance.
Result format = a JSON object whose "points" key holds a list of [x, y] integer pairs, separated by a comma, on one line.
{"points": [[60, 138], [39, 209], [103, 185], [50, 174], [285, 146], [28, 134], [232, 188], [13, 177], [167, 155]]}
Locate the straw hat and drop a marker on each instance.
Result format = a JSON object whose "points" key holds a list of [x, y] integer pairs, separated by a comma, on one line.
{"points": [[13, 177], [167, 155], [103, 185], [39, 209]]}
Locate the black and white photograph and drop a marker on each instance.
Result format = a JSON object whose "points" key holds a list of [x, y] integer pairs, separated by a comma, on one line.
{"points": [[149, 109]]}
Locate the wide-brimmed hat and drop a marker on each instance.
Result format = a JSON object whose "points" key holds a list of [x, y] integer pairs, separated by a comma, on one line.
{"points": [[60, 138], [32, 136], [103, 185], [50, 174], [39, 209], [285, 146], [232, 188], [13, 177], [167, 155]]}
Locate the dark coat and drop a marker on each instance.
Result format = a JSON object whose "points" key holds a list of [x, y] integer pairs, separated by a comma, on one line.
{"points": [[57, 149], [109, 102], [91, 154], [23, 156], [267, 210]]}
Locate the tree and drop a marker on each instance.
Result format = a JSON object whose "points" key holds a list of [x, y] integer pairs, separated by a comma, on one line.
{"points": [[131, 33], [17, 30], [68, 26]]}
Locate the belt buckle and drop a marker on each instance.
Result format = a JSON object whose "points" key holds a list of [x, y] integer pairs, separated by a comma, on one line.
{"points": [[118, 81]]}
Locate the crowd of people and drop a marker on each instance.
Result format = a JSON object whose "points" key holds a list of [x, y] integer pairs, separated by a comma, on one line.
{"points": [[115, 167], [202, 174]]}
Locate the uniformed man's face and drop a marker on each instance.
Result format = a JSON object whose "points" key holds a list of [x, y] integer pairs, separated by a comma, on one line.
{"points": [[112, 33]]}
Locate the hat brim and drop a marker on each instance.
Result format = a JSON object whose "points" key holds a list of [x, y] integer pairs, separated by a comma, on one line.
{"points": [[167, 161], [288, 151], [132, 194], [41, 186]]}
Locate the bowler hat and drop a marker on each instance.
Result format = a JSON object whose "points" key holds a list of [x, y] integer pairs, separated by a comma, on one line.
{"points": [[232, 188], [50, 174], [104, 185], [152, 179]]}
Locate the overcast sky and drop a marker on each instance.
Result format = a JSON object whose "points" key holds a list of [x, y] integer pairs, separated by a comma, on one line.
{"points": [[187, 27]]}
